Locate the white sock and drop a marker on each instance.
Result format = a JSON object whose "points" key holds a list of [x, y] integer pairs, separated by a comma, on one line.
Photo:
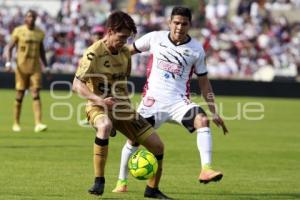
{"points": [[127, 151], [204, 143]]}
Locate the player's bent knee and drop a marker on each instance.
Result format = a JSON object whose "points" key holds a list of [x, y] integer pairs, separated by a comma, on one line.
{"points": [[205, 121], [154, 144], [103, 126], [35, 92], [35, 98], [158, 148], [201, 120], [133, 143], [20, 94]]}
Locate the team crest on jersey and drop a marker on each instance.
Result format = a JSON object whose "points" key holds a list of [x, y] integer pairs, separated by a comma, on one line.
{"points": [[170, 67]]}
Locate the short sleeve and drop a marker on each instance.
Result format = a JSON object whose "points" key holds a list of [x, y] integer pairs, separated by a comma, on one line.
{"points": [[200, 65], [85, 66], [144, 43], [15, 34]]}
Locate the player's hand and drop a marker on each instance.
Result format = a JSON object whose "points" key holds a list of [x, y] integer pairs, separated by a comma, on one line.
{"points": [[109, 102], [219, 122], [106, 103], [8, 66], [47, 70]]}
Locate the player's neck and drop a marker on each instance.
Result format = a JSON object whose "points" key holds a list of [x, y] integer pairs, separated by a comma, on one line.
{"points": [[110, 47], [179, 40], [30, 27]]}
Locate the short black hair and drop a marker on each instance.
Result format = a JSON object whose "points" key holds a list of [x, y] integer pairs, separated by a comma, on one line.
{"points": [[182, 11], [118, 20]]}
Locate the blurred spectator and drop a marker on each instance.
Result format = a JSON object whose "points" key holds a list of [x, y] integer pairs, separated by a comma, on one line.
{"points": [[2, 46], [97, 33], [237, 46]]}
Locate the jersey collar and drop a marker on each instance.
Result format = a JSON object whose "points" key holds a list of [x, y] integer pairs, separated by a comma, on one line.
{"points": [[187, 41]]}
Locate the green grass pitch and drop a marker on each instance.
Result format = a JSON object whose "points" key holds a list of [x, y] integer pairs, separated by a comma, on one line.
{"points": [[260, 158]]}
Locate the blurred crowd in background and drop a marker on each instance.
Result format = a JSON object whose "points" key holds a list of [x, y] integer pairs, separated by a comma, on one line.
{"points": [[243, 39]]}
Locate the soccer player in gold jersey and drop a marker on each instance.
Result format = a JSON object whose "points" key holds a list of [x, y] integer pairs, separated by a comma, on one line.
{"points": [[102, 79], [30, 49]]}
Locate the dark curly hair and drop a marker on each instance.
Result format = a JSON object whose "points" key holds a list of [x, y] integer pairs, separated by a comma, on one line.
{"points": [[33, 13], [119, 20]]}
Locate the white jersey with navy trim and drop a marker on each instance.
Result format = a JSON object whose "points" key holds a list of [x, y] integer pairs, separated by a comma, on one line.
{"points": [[173, 65]]}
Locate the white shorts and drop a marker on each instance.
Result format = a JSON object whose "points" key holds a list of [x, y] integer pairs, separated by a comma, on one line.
{"points": [[182, 111]]}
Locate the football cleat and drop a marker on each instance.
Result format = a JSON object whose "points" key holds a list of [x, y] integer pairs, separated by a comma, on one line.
{"points": [[209, 175], [16, 128], [84, 122], [121, 186], [40, 128], [155, 193], [98, 188]]}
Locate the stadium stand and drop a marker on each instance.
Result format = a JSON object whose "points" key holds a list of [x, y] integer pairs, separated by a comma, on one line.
{"points": [[252, 41]]}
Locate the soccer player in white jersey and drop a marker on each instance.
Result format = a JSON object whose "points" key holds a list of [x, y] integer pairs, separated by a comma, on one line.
{"points": [[176, 56]]}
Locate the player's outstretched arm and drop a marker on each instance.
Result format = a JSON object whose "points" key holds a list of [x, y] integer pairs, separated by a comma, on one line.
{"points": [[208, 94], [8, 56]]}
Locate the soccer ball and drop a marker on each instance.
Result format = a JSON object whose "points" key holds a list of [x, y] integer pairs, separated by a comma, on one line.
{"points": [[142, 165]]}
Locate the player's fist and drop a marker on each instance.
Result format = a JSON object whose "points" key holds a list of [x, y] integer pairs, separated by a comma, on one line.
{"points": [[109, 102], [8, 66], [220, 123], [47, 70]]}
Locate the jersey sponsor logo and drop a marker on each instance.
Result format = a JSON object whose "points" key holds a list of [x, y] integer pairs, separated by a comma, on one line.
{"points": [[108, 64], [170, 67]]}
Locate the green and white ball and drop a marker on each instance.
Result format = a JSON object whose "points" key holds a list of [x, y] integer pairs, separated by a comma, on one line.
{"points": [[142, 164]]}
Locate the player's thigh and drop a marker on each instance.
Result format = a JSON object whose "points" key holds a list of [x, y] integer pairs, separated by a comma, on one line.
{"points": [[154, 144], [136, 128], [93, 113], [154, 113], [22, 80], [36, 80]]}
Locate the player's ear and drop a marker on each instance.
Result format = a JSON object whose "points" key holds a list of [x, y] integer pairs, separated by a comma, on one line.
{"points": [[169, 22], [109, 31]]}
